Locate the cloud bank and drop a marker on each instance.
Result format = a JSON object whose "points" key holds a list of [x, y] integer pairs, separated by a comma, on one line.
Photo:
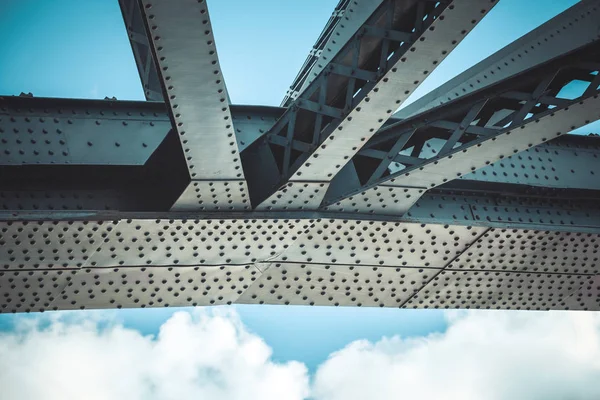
{"points": [[482, 355]]}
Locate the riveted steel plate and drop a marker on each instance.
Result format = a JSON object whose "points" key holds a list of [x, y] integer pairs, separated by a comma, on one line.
{"points": [[213, 196], [489, 150], [336, 285], [296, 196], [42, 245], [390, 200], [551, 216], [587, 297], [79, 137], [195, 242], [61, 200], [532, 251], [447, 208], [186, 55], [155, 287], [350, 242], [251, 122], [497, 290], [25, 291], [569, 30], [548, 166]]}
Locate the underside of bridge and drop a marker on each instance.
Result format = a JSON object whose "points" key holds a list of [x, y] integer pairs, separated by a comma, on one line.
{"points": [[474, 196]]}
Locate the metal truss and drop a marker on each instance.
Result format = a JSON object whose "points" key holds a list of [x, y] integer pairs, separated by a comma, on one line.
{"points": [[353, 96], [478, 129], [573, 28], [344, 22], [481, 202]]}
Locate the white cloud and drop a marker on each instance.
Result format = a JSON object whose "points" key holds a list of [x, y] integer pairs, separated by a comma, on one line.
{"points": [[195, 356], [482, 355]]}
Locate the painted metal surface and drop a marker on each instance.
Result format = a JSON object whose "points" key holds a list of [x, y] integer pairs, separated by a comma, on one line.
{"points": [[502, 215], [479, 129], [396, 47], [573, 28]]}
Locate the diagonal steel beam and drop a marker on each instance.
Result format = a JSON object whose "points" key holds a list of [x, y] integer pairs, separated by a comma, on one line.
{"points": [[345, 20], [575, 27], [140, 45], [525, 122], [401, 42], [184, 48]]}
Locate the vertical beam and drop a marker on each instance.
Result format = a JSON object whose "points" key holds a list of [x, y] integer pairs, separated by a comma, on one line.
{"points": [[184, 48], [389, 56]]}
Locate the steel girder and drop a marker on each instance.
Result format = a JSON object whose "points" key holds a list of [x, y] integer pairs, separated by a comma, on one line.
{"points": [[105, 260], [68, 154], [344, 22], [573, 28], [184, 50], [396, 47], [140, 45], [476, 130], [29, 124], [79, 232], [42, 131]]}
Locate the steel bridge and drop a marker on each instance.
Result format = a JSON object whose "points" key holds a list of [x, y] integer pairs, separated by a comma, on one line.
{"points": [[474, 196]]}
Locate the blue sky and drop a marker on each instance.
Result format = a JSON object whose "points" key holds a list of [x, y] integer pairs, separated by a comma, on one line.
{"points": [[79, 49]]}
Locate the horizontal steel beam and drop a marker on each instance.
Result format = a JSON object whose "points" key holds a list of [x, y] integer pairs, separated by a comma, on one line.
{"points": [[157, 261], [27, 119], [43, 131], [564, 163], [97, 187]]}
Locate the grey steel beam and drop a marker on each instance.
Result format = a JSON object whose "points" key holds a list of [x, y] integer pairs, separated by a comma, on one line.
{"points": [[45, 144], [353, 97], [82, 132], [140, 45], [345, 20], [506, 252], [184, 49], [63, 189], [156, 261], [573, 28], [477, 130], [115, 129]]}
